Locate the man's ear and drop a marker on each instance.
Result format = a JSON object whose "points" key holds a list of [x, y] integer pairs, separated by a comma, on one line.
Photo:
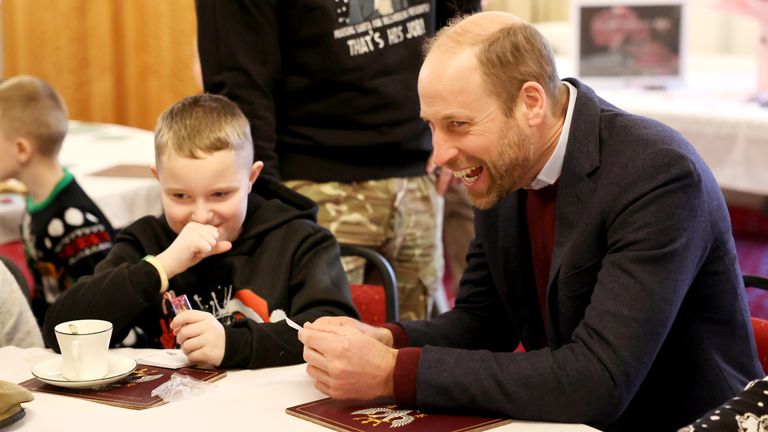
{"points": [[532, 99], [153, 168], [255, 171]]}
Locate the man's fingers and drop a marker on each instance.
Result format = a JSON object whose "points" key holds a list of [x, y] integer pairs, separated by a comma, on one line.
{"points": [[327, 340], [322, 379], [315, 358], [323, 387], [334, 320], [328, 326], [318, 374]]}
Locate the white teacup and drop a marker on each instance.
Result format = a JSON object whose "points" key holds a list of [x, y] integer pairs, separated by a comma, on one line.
{"points": [[84, 345]]}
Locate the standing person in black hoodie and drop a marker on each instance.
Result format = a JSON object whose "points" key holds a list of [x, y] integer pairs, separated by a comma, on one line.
{"points": [[330, 90], [237, 256]]}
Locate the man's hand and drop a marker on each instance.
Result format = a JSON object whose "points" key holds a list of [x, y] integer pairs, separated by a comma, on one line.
{"points": [[379, 333], [346, 363], [195, 242], [201, 337]]}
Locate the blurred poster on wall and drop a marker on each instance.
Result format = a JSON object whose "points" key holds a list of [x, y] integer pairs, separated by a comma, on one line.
{"points": [[634, 40]]}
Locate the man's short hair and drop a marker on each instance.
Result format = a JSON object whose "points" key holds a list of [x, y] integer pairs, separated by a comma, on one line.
{"points": [[30, 108], [508, 58], [203, 124]]}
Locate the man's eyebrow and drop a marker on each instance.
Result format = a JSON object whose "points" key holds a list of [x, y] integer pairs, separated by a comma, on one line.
{"points": [[448, 116]]}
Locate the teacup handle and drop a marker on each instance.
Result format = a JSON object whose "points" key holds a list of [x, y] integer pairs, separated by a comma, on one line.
{"points": [[76, 356]]}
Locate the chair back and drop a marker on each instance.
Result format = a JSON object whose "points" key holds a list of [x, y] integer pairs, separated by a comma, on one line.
{"points": [[756, 282], [759, 325], [377, 304]]}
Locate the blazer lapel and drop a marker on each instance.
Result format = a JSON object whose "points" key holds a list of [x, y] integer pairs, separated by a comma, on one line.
{"points": [[582, 157]]}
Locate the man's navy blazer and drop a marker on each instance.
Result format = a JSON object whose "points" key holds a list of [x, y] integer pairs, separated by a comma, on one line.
{"points": [[647, 321]]}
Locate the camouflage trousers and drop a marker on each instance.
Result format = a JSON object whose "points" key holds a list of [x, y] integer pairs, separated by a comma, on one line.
{"points": [[399, 217], [458, 231]]}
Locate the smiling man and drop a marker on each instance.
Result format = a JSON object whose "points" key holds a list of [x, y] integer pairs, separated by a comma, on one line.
{"points": [[603, 246]]}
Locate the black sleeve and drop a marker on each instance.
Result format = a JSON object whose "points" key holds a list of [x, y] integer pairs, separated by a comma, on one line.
{"points": [[240, 58], [318, 287], [121, 287]]}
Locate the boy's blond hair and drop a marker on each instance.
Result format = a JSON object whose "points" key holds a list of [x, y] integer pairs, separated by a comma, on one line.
{"points": [[203, 124], [32, 109]]}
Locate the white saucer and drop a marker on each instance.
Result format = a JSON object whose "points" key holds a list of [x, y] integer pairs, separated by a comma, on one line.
{"points": [[49, 372]]}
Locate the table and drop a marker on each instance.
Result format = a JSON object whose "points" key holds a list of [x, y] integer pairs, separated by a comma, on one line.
{"points": [[88, 149], [243, 400], [713, 110]]}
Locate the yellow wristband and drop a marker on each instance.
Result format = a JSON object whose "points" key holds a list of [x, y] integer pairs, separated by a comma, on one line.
{"points": [[163, 276]]}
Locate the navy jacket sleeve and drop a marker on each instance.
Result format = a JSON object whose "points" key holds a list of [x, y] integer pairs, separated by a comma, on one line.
{"points": [[479, 310]]}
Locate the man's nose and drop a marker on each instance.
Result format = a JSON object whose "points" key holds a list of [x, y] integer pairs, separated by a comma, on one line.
{"points": [[443, 150]]}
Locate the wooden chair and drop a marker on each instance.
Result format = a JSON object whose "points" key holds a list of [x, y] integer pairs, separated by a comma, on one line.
{"points": [[759, 325], [377, 304]]}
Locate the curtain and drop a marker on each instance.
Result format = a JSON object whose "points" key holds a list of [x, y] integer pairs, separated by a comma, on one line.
{"points": [[112, 61]]}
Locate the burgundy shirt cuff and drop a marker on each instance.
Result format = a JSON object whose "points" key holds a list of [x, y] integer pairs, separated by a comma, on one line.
{"points": [[399, 338], [406, 367]]}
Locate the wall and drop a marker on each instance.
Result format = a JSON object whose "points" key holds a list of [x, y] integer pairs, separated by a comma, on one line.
{"points": [[532, 10], [116, 61], [713, 30], [710, 29]]}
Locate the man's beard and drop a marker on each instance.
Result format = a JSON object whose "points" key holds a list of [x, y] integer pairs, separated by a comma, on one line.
{"points": [[505, 171]]}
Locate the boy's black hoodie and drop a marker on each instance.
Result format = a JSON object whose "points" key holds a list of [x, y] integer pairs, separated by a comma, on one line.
{"points": [[282, 255]]}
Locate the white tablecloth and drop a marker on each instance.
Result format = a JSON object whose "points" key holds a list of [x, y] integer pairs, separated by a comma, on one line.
{"points": [[243, 400], [92, 147]]}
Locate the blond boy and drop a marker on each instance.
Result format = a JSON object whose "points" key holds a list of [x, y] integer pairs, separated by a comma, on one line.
{"points": [[64, 233], [239, 249]]}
